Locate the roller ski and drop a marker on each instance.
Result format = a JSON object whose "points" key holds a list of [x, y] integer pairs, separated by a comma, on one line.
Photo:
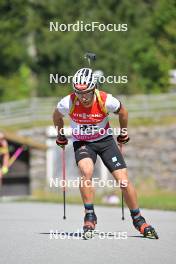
{"points": [[90, 220], [145, 229]]}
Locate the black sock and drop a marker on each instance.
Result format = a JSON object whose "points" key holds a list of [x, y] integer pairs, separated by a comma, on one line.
{"points": [[89, 208], [135, 213]]}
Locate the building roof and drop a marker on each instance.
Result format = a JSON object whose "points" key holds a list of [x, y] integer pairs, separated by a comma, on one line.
{"points": [[24, 140]]}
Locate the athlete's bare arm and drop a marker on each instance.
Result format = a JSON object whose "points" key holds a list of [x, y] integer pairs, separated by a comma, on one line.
{"points": [[123, 117], [58, 120]]}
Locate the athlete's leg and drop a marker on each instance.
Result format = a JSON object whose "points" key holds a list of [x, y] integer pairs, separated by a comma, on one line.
{"points": [[127, 188], [85, 158], [114, 161], [86, 168]]}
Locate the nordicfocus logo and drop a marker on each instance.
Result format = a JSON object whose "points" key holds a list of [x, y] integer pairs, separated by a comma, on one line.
{"points": [[88, 27], [86, 129], [62, 79], [78, 234], [95, 182]]}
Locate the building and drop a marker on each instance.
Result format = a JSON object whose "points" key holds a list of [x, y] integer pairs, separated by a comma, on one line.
{"points": [[28, 171]]}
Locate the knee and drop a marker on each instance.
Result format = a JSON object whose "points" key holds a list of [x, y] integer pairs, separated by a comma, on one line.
{"points": [[86, 174], [122, 177], [86, 170], [86, 179], [123, 184]]}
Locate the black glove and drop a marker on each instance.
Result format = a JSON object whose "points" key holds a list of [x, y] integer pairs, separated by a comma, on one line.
{"points": [[61, 141], [123, 139]]}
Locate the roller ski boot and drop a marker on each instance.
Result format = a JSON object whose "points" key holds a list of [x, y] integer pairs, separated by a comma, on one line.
{"points": [[90, 221], [145, 229]]}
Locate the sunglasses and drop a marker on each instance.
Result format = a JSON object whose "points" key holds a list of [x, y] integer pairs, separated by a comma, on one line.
{"points": [[87, 94]]}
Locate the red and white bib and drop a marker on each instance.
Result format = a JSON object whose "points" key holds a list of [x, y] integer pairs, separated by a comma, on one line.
{"points": [[89, 123]]}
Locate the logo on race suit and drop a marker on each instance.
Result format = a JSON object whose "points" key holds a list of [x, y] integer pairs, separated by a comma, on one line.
{"points": [[83, 150], [117, 164], [84, 115], [114, 159], [83, 147]]}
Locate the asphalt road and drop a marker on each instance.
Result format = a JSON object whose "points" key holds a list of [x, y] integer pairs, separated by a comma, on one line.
{"points": [[26, 236]]}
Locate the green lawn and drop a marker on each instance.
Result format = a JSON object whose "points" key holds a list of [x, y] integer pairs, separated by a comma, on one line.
{"points": [[135, 122], [158, 200], [154, 200]]}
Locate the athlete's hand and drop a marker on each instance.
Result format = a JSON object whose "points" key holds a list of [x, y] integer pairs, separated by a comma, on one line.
{"points": [[61, 141], [123, 139]]}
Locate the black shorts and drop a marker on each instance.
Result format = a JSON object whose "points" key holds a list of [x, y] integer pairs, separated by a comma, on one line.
{"points": [[106, 148]]}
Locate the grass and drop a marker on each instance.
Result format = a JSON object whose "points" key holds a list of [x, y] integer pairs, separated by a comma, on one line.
{"points": [[154, 198], [135, 122], [14, 128], [158, 199]]}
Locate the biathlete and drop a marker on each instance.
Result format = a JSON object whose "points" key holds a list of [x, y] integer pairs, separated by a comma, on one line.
{"points": [[88, 110]]}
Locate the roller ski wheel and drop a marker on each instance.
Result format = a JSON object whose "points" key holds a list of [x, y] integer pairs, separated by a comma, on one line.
{"points": [[90, 220], [88, 233], [145, 229]]}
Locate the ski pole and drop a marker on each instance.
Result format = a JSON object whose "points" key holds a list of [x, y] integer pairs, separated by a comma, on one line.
{"points": [[123, 215], [16, 155], [63, 177]]}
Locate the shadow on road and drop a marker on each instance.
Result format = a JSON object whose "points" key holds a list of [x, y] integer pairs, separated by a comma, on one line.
{"points": [[80, 234]]}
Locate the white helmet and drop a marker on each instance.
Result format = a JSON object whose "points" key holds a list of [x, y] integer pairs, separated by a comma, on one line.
{"points": [[84, 80]]}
